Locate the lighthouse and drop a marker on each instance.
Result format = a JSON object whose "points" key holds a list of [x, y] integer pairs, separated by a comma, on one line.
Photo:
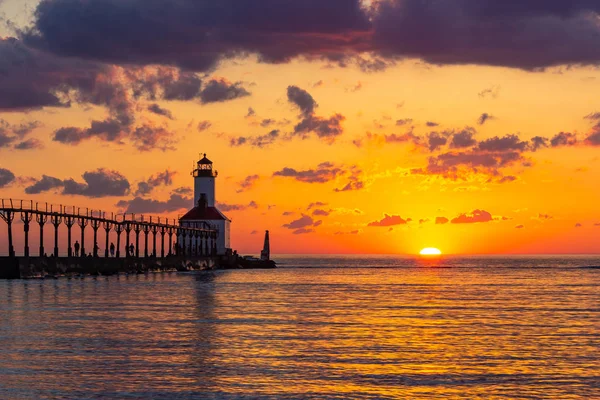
{"points": [[204, 209]]}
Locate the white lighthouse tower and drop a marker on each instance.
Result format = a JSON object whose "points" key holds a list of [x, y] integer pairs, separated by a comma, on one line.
{"points": [[204, 181], [205, 209]]}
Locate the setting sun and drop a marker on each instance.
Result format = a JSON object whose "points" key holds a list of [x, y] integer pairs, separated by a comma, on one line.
{"points": [[430, 251]]}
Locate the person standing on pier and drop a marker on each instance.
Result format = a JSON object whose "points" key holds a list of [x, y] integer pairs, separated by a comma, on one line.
{"points": [[76, 247], [131, 250], [112, 249]]}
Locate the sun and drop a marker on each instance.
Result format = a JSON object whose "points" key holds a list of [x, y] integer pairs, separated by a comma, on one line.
{"points": [[430, 251]]}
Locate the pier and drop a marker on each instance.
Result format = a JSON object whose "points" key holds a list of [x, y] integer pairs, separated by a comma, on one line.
{"points": [[148, 241]]}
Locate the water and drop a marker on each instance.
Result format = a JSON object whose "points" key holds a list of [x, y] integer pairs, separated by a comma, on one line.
{"points": [[322, 328]]}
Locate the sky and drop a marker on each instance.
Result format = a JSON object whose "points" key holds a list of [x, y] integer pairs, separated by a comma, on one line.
{"points": [[343, 126]]}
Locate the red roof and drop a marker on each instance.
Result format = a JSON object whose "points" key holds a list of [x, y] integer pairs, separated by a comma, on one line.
{"points": [[204, 213]]}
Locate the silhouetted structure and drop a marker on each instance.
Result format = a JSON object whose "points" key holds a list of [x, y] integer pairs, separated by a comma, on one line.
{"points": [[265, 254]]}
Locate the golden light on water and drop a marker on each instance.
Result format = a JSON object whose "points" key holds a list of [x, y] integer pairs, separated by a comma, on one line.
{"points": [[430, 251]]}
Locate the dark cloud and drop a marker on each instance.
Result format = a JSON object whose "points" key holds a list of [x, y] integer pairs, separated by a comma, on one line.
{"points": [[321, 213], [390, 220], [325, 128], [305, 221], [256, 141], [29, 144], [146, 187], [528, 35], [158, 110], [476, 216], [354, 184], [141, 205], [563, 139], [538, 142], [99, 183], [483, 118], [149, 137], [405, 121], [203, 125], [578, 225], [44, 184], [463, 139], [324, 172], [493, 92], [236, 207], [220, 90], [441, 220], [593, 139], [316, 204], [303, 231], [267, 122], [251, 112], [302, 99], [505, 143], [11, 134], [507, 179], [431, 124], [184, 191], [544, 217], [436, 140], [6, 177], [248, 183], [520, 226], [423, 221]]}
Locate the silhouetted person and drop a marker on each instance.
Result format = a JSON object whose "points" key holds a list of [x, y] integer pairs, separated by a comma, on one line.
{"points": [[112, 249], [131, 249], [76, 247], [96, 248]]}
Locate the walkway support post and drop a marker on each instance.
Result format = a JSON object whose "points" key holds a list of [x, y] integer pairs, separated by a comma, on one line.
{"points": [[69, 222], [119, 230], [56, 219], [41, 219], [82, 224], [26, 217], [107, 228], [8, 217], [95, 225], [146, 229]]}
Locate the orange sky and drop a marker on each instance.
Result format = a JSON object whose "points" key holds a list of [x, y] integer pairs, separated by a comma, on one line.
{"points": [[538, 209]]}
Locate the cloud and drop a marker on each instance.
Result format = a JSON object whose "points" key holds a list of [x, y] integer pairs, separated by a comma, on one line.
{"points": [[423, 221], [519, 226], [220, 90], [321, 213], [476, 216], [390, 220], [261, 141], [538, 142], [505, 143], [237, 207], [248, 183], [6, 177], [203, 125], [563, 139], [463, 139], [99, 183], [544, 217], [29, 144], [325, 128], [250, 113], [140, 205], [324, 172], [528, 35], [441, 220], [158, 110], [431, 124], [492, 92], [483, 118], [405, 121], [303, 222], [303, 231], [578, 225], [160, 179], [436, 140], [11, 134], [316, 204]]}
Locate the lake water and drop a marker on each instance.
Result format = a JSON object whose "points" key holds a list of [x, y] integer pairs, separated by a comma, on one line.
{"points": [[318, 327]]}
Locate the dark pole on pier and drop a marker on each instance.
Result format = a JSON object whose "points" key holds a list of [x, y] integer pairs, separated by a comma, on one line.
{"points": [[146, 229], [56, 219], [162, 241], [107, 227], [82, 224], [95, 226], [127, 232], [69, 222], [205, 240], [170, 240], [119, 230], [26, 218], [41, 219], [136, 228], [154, 232], [8, 217]]}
